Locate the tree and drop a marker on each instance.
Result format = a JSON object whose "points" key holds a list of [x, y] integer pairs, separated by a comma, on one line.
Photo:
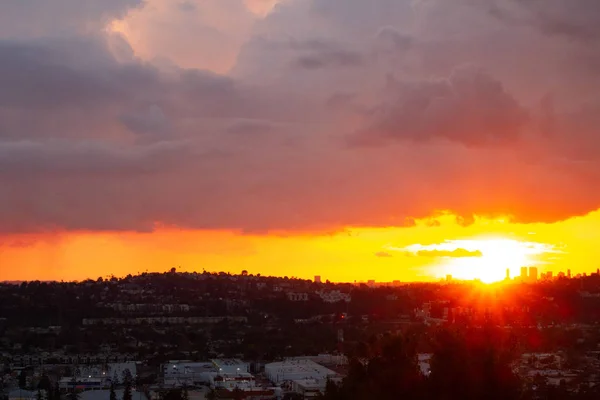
{"points": [[73, 394], [113, 395], [39, 395], [127, 391], [127, 377], [22, 380], [56, 392], [211, 395], [237, 394], [472, 365], [45, 383], [173, 394]]}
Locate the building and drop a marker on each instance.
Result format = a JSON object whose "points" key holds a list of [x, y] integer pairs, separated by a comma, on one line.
{"points": [[21, 395], [448, 278], [425, 363], [230, 366], [569, 273], [309, 388], [114, 372], [533, 274], [334, 296], [297, 296], [523, 273], [549, 275], [243, 381], [187, 373], [507, 274], [105, 394], [317, 279], [70, 383], [294, 370]]}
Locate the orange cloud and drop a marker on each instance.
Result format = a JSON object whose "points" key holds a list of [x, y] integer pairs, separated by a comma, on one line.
{"points": [[457, 253]]}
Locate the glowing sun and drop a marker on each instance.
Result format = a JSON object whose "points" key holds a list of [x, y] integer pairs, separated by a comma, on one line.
{"points": [[494, 257]]}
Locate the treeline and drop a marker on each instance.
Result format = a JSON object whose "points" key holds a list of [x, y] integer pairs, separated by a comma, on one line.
{"points": [[465, 365]]}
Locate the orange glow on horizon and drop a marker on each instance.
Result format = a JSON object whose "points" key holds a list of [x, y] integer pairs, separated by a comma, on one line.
{"points": [[424, 252]]}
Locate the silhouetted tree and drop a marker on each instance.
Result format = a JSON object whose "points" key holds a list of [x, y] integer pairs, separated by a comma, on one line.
{"points": [[470, 366], [56, 392], [127, 391], [22, 380], [237, 394], [211, 395], [73, 394], [113, 395]]}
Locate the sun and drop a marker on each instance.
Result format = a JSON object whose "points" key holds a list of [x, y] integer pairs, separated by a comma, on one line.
{"points": [[494, 257]]}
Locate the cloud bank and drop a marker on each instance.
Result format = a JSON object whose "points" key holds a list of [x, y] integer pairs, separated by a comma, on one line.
{"points": [[300, 115]]}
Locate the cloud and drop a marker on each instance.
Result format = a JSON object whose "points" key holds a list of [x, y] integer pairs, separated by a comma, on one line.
{"points": [[151, 120], [383, 254], [38, 18], [576, 20], [203, 34], [457, 253], [469, 107], [317, 54], [316, 115]]}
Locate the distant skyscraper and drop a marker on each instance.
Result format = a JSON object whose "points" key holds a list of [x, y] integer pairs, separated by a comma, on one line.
{"points": [[533, 274], [524, 273], [448, 278], [569, 273], [549, 274], [508, 274], [317, 278]]}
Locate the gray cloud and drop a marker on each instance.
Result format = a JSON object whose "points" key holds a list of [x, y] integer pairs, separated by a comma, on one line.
{"points": [[38, 18], [151, 120], [576, 20], [469, 107], [93, 138], [316, 54]]}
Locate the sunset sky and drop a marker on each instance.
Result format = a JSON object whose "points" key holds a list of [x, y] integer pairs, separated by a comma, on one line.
{"points": [[352, 139]]}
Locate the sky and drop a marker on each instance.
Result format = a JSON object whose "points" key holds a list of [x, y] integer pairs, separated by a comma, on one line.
{"points": [[383, 139]]}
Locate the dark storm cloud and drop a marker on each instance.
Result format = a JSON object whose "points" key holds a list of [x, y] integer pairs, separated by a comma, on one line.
{"points": [[45, 75], [573, 19], [151, 120], [469, 107], [38, 18], [329, 59], [316, 54], [20, 160], [94, 138]]}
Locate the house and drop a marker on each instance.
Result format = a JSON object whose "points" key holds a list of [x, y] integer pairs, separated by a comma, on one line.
{"points": [[20, 394]]}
